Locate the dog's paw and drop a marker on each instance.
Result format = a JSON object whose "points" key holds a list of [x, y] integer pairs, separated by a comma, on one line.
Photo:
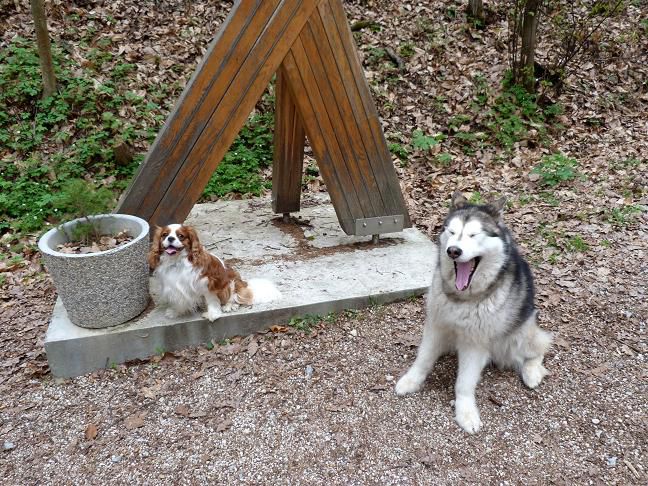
{"points": [[407, 384], [230, 307], [532, 374], [468, 418], [171, 313], [212, 315]]}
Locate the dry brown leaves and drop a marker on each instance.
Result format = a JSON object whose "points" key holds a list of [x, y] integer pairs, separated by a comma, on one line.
{"points": [[104, 243]]}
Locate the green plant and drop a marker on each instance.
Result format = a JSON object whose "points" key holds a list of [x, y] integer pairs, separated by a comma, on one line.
{"points": [[444, 159], [549, 198], [550, 236], [624, 215], [555, 169], [240, 169], [376, 54], [80, 199], [476, 198], [406, 50], [307, 322], [525, 199], [44, 143], [425, 142], [3, 279], [576, 243], [16, 260], [399, 150]]}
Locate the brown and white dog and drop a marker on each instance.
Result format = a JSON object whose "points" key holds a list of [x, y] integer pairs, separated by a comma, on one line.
{"points": [[186, 277]]}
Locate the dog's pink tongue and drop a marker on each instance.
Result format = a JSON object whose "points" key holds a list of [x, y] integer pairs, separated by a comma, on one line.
{"points": [[171, 251], [463, 270]]}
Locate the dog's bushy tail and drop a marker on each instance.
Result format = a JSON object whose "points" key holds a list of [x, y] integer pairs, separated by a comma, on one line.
{"points": [[264, 291]]}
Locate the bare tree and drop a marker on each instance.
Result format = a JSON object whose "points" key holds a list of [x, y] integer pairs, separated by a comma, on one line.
{"points": [[476, 9], [566, 33], [526, 71], [44, 48], [523, 24]]}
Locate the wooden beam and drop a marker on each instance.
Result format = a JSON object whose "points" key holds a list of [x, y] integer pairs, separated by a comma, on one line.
{"points": [[288, 157], [214, 106]]}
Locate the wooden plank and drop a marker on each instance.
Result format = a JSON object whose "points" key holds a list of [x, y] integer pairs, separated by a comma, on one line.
{"points": [[308, 113], [333, 14], [191, 113], [347, 115], [339, 140], [245, 88], [288, 157], [353, 190], [357, 116]]}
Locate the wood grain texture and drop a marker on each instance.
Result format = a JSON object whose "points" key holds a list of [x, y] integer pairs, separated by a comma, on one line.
{"points": [[214, 106], [288, 156], [321, 92], [333, 14]]}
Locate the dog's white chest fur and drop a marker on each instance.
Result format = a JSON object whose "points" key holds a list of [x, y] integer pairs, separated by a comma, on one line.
{"points": [[176, 280], [476, 321]]}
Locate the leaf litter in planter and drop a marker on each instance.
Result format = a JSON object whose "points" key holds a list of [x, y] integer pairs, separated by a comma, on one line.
{"points": [[104, 243]]}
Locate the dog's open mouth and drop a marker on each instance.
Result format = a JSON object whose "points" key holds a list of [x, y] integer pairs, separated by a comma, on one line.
{"points": [[171, 250], [464, 272]]}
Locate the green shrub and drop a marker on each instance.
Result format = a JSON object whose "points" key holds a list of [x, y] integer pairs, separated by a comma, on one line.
{"points": [[555, 169], [240, 169]]}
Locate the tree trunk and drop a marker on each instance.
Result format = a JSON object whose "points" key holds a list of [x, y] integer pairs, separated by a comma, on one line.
{"points": [[526, 75], [476, 9], [44, 48]]}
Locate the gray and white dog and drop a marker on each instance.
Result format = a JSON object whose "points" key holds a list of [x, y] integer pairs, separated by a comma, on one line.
{"points": [[480, 304]]}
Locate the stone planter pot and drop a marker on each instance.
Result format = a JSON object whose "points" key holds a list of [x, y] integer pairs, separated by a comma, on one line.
{"points": [[101, 289]]}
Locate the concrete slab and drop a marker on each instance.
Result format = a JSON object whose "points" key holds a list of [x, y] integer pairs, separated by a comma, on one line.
{"points": [[317, 267]]}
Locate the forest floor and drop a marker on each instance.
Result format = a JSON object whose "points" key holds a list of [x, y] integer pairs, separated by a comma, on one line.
{"points": [[318, 407]]}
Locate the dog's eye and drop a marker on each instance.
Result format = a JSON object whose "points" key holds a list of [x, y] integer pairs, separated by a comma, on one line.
{"points": [[181, 237], [472, 235], [164, 235], [451, 232]]}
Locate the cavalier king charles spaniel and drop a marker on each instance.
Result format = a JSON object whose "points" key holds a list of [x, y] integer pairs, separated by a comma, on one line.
{"points": [[187, 277]]}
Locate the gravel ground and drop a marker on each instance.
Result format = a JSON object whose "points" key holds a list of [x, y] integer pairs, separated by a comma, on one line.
{"points": [[319, 408]]}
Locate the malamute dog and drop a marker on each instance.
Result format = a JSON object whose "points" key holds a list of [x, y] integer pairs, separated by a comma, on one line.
{"points": [[480, 304]]}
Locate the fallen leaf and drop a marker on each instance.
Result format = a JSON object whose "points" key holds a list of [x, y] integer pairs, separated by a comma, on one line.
{"points": [[277, 328], [151, 392], [91, 432], [253, 347], [182, 410], [135, 421]]}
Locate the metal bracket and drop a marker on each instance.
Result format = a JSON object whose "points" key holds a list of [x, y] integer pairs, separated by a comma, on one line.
{"points": [[382, 224]]}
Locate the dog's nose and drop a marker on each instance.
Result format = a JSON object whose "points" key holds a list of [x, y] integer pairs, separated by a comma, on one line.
{"points": [[170, 239], [454, 252]]}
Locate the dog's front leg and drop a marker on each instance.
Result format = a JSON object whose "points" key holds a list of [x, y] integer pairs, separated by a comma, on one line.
{"points": [[433, 345], [214, 310], [471, 363]]}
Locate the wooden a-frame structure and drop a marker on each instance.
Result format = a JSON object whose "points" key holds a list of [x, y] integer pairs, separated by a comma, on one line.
{"points": [[321, 93]]}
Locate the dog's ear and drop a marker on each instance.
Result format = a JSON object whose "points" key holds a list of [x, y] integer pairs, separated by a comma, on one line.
{"points": [[156, 248], [458, 201], [496, 208], [194, 247]]}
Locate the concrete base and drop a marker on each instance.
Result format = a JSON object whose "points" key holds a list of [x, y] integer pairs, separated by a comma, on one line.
{"points": [[315, 265]]}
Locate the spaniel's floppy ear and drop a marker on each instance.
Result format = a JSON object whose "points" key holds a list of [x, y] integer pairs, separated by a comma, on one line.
{"points": [[194, 247], [156, 248]]}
